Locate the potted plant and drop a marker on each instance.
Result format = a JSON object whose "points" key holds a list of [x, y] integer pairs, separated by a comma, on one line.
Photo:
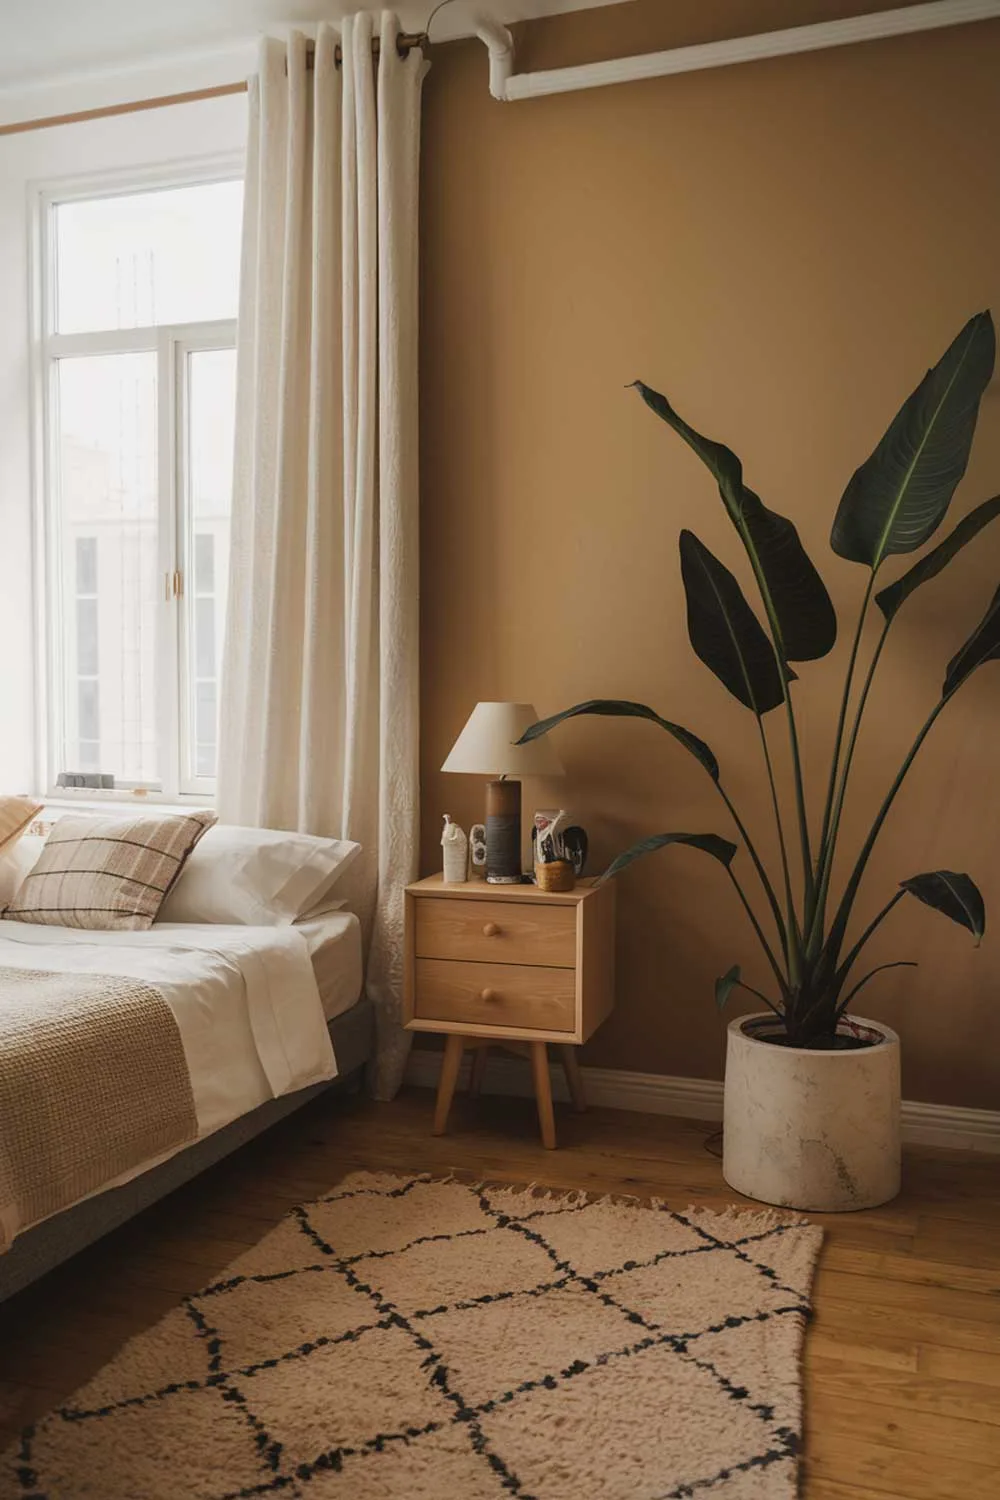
{"points": [[812, 1094]]}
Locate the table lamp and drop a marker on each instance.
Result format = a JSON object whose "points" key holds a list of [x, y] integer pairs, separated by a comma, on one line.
{"points": [[488, 746]]}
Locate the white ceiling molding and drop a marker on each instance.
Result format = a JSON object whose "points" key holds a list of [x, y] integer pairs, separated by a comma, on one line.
{"points": [[507, 85], [60, 56]]}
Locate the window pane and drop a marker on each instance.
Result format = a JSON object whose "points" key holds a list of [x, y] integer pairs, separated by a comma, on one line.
{"points": [[87, 655], [211, 410], [168, 256], [86, 565], [107, 523]]}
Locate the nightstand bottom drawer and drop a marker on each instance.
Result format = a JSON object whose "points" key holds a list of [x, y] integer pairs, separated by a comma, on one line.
{"points": [[495, 994]]}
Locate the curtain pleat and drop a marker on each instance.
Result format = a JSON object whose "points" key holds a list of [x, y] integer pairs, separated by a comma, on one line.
{"points": [[319, 726]]}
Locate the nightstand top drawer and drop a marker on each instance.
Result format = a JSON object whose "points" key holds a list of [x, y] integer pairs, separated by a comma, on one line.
{"points": [[510, 932], [496, 995]]}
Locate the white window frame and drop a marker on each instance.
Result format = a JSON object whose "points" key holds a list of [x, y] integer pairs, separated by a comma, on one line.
{"points": [[171, 343]]}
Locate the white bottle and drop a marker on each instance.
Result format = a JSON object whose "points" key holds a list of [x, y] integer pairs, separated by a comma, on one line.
{"points": [[456, 853]]}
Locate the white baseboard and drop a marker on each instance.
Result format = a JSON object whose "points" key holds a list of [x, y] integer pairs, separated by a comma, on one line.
{"points": [[701, 1098]]}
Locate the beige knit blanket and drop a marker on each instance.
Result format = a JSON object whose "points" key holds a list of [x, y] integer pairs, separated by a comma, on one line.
{"points": [[93, 1083]]}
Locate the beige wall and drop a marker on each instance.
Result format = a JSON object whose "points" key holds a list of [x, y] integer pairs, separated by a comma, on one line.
{"points": [[783, 248]]}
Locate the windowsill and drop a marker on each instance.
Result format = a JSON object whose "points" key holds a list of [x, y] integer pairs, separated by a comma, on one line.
{"points": [[76, 799]]}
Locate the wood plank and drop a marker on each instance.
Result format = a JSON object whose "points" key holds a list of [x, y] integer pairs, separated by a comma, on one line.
{"points": [[951, 1275], [817, 1488], [904, 1390], [856, 1418], [910, 1296], [961, 1364], [928, 1327], [854, 1349], [878, 1472]]}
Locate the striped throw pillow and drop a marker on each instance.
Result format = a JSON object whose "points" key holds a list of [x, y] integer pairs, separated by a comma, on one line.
{"points": [[107, 873]]}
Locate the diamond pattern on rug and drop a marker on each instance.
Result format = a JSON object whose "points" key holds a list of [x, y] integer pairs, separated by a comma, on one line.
{"points": [[415, 1340]]}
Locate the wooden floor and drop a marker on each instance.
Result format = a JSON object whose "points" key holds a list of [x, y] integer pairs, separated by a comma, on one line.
{"points": [[903, 1358]]}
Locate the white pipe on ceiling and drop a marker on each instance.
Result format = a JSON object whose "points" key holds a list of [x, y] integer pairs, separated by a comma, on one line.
{"points": [[507, 85]]}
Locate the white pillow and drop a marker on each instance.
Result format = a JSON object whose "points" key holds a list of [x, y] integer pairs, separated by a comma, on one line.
{"points": [[16, 860], [256, 877]]}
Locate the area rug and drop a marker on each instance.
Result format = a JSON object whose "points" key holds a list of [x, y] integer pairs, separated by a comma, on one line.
{"points": [[412, 1339]]}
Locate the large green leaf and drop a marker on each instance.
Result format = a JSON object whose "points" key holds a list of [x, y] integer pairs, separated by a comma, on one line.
{"points": [[709, 843], [805, 618], [724, 630], [929, 566], [957, 896], [899, 495], [982, 646], [619, 708]]}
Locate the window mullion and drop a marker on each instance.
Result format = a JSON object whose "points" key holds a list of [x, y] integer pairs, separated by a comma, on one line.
{"points": [[168, 610]]}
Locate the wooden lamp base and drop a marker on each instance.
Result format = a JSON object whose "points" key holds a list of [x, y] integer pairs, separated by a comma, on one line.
{"points": [[503, 832]]}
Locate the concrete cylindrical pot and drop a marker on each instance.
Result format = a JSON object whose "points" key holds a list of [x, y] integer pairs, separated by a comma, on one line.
{"points": [[810, 1129]]}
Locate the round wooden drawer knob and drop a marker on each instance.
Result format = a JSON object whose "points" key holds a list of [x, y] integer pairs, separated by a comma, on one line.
{"points": [[491, 930], [489, 995]]}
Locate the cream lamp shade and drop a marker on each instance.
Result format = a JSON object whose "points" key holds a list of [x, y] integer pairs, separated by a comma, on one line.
{"points": [[488, 745]]}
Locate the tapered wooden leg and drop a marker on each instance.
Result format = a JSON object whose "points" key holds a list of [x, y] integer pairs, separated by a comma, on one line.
{"points": [[454, 1047], [574, 1078], [478, 1070], [543, 1094]]}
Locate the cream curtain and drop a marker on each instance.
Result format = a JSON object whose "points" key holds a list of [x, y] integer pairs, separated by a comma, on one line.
{"points": [[319, 707]]}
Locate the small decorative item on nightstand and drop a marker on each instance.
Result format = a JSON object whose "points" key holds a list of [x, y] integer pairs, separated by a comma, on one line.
{"points": [[509, 967], [456, 853]]}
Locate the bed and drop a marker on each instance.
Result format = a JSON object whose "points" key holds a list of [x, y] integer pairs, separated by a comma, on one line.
{"points": [[268, 1018]]}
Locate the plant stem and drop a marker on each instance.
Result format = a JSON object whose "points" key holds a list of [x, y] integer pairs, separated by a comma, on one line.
{"points": [[901, 963], [750, 990], [793, 937], [800, 803], [778, 647], [830, 837], [876, 921], [758, 866], [838, 738], [851, 890], [759, 931]]}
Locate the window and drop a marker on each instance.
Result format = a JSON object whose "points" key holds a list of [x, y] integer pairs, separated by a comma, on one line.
{"points": [[138, 343]]}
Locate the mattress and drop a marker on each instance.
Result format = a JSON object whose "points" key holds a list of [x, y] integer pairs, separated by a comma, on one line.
{"points": [[334, 943]]}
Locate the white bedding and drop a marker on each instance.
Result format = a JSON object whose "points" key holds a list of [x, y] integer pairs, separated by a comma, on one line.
{"points": [[334, 944], [245, 1001]]}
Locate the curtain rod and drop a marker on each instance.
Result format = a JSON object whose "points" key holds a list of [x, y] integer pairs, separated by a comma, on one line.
{"points": [[405, 43]]}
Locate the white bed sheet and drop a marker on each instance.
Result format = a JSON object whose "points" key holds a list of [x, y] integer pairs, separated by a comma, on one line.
{"points": [[245, 1001], [334, 944]]}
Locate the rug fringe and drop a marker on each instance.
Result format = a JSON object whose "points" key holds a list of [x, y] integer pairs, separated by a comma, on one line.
{"points": [[733, 1220]]}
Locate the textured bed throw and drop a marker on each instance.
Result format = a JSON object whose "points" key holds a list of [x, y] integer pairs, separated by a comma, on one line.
{"points": [[93, 1082], [405, 1339]]}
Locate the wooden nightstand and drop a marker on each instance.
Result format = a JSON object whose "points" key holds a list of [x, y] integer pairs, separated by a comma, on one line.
{"points": [[512, 966]]}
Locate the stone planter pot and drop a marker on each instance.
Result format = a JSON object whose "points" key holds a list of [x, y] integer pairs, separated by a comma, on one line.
{"points": [[814, 1130]]}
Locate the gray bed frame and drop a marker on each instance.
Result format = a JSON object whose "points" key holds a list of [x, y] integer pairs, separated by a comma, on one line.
{"points": [[54, 1240]]}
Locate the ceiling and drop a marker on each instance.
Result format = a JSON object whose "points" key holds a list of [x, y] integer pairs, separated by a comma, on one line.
{"points": [[42, 41]]}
